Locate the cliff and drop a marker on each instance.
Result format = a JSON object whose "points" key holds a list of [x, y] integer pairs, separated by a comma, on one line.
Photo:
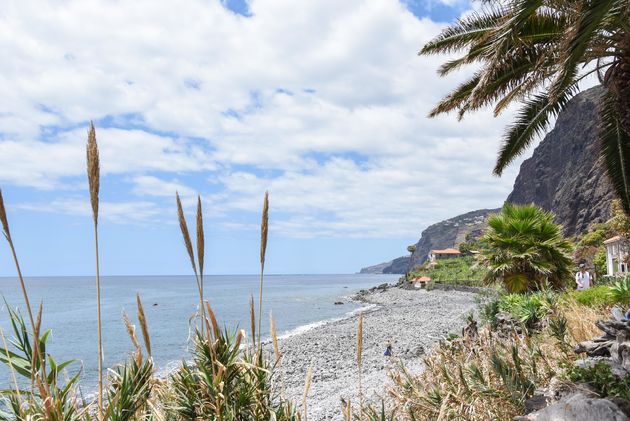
{"points": [[445, 234], [398, 265], [564, 175], [450, 233]]}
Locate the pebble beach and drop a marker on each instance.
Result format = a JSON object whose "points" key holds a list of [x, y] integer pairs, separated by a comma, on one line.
{"points": [[412, 320]]}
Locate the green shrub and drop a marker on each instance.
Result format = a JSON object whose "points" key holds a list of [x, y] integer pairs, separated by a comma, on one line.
{"points": [[531, 308], [620, 291], [598, 296], [600, 377]]}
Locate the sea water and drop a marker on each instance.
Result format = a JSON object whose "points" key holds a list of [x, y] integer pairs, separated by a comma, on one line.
{"points": [[297, 301]]}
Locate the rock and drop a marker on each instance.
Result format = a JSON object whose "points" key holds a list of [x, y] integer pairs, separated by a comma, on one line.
{"points": [[622, 404], [615, 343], [594, 349], [417, 351], [561, 389], [578, 408], [536, 402]]}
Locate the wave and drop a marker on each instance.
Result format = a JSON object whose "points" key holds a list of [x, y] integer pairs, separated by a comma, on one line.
{"points": [[309, 326]]}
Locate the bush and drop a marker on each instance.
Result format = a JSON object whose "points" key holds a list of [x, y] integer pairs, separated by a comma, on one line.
{"points": [[598, 296], [620, 291], [529, 309], [525, 250], [600, 377]]}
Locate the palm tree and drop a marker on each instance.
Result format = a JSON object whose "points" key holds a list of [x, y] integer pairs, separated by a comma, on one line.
{"points": [[524, 249], [536, 52]]}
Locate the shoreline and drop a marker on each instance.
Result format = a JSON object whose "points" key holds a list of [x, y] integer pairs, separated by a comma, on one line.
{"points": [[413, 320]]}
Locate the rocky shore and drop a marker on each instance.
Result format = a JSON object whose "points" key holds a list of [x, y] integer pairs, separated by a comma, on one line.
{"points": [[412, 320]]}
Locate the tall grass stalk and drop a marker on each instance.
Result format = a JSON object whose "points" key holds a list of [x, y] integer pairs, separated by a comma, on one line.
{"points": [[7, 234], [10, 364], [252, 319], [360, 359], [200, 252], [36, 351], [189, 248], [93, 173], [142, 319], [264, 229], [307, 388]]}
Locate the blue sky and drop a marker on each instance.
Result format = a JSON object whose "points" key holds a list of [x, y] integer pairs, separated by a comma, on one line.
{"points": [[323, 105]]}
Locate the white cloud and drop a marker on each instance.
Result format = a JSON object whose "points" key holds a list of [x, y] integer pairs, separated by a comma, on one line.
{"points": [[118, 212], [323, 103]]}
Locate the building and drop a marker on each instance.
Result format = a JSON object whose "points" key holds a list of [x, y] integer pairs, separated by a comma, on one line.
{"points": [[616, 256], [443, 254], [420, 281]]}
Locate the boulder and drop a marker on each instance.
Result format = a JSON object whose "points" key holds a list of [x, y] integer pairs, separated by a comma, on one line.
{"points": [[578, 408], [615, 343]]}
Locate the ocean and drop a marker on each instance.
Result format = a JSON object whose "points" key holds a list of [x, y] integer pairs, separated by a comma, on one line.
{"points": [[297, 302]]}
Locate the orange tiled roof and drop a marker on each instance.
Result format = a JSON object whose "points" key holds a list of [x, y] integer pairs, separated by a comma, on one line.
{"points": [[613, 239], [422, 279], [446, 251]]}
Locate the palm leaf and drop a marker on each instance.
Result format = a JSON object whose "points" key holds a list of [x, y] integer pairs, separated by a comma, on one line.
{"points": [[615, 149], [465, 31], [589, 22], [531, 121]]}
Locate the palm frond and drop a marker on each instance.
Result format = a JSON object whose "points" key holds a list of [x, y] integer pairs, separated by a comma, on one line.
{"points": [[530, 122], [589, 21], [615, 149]]}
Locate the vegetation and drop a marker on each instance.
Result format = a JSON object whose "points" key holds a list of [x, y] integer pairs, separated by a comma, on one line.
{"points": [[223, 380], [599, 296], [458, 270], [601, 378], [620, 291], [525, 249], [536, 53], [488, 374]]}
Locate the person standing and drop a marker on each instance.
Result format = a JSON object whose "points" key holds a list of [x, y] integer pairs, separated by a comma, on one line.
{"points": [[583, 278]]}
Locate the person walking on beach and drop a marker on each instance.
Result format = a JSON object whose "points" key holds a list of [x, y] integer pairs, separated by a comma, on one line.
{"points": [[388, 349], [583, 278]]}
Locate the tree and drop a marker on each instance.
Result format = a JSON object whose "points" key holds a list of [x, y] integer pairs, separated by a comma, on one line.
{"points": [[536, 52], [411, 249], [525, 249], [619, 221]]}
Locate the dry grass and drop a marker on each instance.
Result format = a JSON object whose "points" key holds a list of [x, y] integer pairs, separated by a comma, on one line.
{"points": [[144, 326], [274, 337], [581, 320], [264, 230], [94, 176], [491, 375], [360, 357], [307, 388], [93, 170]]}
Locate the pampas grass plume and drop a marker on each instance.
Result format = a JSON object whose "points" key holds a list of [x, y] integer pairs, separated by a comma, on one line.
{"points": [[93, 170]]}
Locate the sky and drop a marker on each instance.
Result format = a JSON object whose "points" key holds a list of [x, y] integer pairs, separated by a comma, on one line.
{"points": [[322, 103]]}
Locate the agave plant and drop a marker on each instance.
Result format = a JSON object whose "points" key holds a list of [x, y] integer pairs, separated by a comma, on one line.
{"points": [[58, 401], [525, 249], [620, 291], [536, 52]]}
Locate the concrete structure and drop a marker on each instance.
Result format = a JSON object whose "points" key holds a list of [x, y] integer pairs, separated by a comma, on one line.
{"points": [[616, 256], [443, 254]]}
